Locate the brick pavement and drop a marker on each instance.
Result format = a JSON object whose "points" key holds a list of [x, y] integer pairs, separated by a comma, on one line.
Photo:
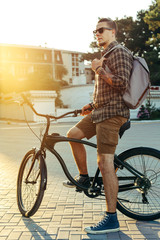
{"points": [[63, 213]]}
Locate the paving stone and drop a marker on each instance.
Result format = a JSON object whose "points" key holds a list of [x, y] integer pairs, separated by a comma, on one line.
{"points": [[62, 235], [63, 213], [75, 237], [14, 235], [66, 222], [5, 232], [76, 223]]}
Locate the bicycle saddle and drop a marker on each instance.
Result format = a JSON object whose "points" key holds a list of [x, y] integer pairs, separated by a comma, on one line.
{"points": [[124, 127]]}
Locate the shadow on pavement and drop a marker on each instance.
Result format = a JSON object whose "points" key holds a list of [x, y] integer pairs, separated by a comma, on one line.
{"points": [[150, 230], [113, 236], [36, 231]]}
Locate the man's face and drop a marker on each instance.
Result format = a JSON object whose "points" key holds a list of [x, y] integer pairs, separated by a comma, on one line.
{"points": [[106, 37]]}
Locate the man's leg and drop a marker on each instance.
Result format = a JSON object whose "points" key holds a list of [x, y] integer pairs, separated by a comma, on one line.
{"points": [[85, 128], [78, 150], [107, 140], [110, 181], [79, 154], [110, 222]]}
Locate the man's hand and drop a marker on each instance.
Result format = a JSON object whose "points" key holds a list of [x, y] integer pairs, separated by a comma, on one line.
{"points": [[97, 63], [86, 110]]}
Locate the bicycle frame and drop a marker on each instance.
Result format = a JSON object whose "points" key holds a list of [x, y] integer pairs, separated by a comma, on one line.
{"points": [[56, 138], [141, 199], [117, 162]]}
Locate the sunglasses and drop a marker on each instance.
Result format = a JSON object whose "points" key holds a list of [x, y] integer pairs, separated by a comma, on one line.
{"points": [[101, 30]]}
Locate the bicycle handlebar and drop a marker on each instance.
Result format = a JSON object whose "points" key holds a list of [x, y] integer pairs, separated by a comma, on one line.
{"points": [[75, 112]]}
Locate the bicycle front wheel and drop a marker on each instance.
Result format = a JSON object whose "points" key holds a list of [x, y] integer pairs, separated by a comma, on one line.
{"points": [[30, 183], [143, 202]]}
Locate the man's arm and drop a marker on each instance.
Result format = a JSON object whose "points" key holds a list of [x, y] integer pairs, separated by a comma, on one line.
{"points": [[106, 76], [87, 109], [121, 63]]}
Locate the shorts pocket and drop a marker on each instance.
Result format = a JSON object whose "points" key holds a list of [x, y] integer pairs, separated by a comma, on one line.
{"points": [[109, 136]]}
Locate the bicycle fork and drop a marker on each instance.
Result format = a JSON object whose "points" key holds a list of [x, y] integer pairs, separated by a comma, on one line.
{"points": [[40, 155]]}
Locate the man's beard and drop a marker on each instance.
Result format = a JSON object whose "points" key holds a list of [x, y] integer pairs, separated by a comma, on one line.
{"points": [[101, 44]]}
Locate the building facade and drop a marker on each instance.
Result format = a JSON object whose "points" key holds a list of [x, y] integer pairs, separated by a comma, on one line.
{"points": [[90, 75], [71, 61], [19, 61]]}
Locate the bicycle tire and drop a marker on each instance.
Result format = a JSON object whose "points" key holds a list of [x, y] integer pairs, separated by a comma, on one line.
{"points": [[30, 195], [146, 160]]}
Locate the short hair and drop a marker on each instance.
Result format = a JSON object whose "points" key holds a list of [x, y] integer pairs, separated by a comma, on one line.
{"points": [[110, 23]]}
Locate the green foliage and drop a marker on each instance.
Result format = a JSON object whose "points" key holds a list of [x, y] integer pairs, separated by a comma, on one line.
{"points": [[58, 101], [153, 60], [155, 114], [134, 34], [143, 113], [60, 71], [141, 36], [152, 17], [148, 111]]}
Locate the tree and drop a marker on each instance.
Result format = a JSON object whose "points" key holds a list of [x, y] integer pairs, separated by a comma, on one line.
{"points": [[60, 71], [134, 34], [141, 36], [152, 18]]}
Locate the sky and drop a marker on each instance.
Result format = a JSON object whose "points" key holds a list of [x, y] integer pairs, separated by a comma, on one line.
{"points": [[60, 24]]}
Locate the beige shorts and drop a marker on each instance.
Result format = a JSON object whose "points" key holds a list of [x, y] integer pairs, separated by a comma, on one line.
{"points": [[107, 132]]}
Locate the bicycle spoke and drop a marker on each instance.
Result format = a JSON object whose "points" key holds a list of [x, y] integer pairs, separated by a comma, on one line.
{"points": [[143, 164], [30, 183], [157, 175], [145, 199]]}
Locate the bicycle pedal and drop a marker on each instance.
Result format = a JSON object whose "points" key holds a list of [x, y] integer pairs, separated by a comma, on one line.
{"points": [[78, 190]]}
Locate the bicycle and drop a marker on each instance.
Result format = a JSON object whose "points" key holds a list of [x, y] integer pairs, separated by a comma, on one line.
{"points": [[138, 171]]}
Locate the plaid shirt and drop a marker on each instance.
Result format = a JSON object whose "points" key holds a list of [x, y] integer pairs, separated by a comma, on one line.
{"points": [[107, 97]]}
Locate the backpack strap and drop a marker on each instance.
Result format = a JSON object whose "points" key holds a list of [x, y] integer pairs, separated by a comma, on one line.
{"points": [[112, 49], [118, 46]]}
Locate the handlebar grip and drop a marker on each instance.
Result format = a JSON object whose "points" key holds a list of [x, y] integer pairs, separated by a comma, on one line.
{"points": [[80, 110]]}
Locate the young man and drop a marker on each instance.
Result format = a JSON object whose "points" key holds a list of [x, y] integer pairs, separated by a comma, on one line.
{"points": [[108, 114]]}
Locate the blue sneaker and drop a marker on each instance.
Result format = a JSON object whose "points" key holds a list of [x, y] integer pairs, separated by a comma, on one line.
{"points": [[108, 224]]}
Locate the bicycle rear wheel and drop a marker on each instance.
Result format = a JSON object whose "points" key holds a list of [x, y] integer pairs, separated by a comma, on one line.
{"points": [[30, 183], [142, 203]]}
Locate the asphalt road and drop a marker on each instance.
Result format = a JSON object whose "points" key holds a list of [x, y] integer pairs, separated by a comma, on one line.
{"points": [[16, 138]]}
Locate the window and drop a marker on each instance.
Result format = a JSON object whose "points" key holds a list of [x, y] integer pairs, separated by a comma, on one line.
{"points": [[58, 57], [73, 72], [77, 72], [45, 56], [75, 61]]}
